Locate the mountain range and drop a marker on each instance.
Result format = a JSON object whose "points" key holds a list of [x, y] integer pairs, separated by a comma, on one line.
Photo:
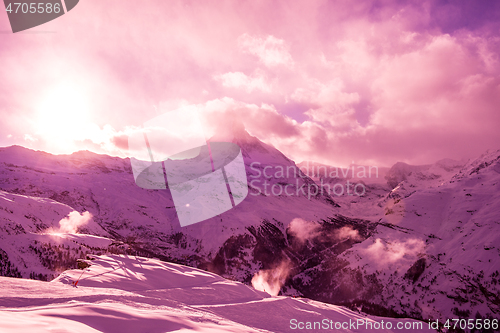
{"points": [[422, 243]]}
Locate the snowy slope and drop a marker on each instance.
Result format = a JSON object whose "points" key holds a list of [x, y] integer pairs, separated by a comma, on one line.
{"points": [[32, 243], [135, 294]]}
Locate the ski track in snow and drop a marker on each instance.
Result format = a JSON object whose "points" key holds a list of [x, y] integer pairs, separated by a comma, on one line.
{"points": [[134, 294]]}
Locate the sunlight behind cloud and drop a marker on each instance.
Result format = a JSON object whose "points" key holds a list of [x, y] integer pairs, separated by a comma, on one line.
{"points": [[63, 121], [63, 107], [63, 116]]}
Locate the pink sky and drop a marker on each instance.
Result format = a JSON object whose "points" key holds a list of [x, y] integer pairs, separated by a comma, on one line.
{"points": [[331, 81]]}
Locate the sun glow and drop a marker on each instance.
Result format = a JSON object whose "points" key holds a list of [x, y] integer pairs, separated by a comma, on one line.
{"points": [[62, 109], [63, 116]]}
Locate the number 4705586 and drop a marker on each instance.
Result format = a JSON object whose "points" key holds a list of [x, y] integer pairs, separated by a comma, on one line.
{"points": [[40, 7], [472, 324]]}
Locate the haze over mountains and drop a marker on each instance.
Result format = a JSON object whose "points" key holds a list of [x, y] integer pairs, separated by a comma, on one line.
{"points": [[423, 244]]}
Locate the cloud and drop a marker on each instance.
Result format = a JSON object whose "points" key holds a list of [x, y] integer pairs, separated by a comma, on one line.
{"points": [[385, 253], [438, 89], [307, 230], [260, 120], [29, 138], [304, 230], [72, 222], [348, 232], [384, 83], [335, 106], [271, 280], [271, 51], [249, 83]]}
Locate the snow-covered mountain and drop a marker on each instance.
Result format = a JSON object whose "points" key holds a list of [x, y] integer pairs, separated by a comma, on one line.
{"points": [[355, 188], [422, 246], [368, 174], [146, 219], [435, 250], [136, 294], [423, 175]]}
